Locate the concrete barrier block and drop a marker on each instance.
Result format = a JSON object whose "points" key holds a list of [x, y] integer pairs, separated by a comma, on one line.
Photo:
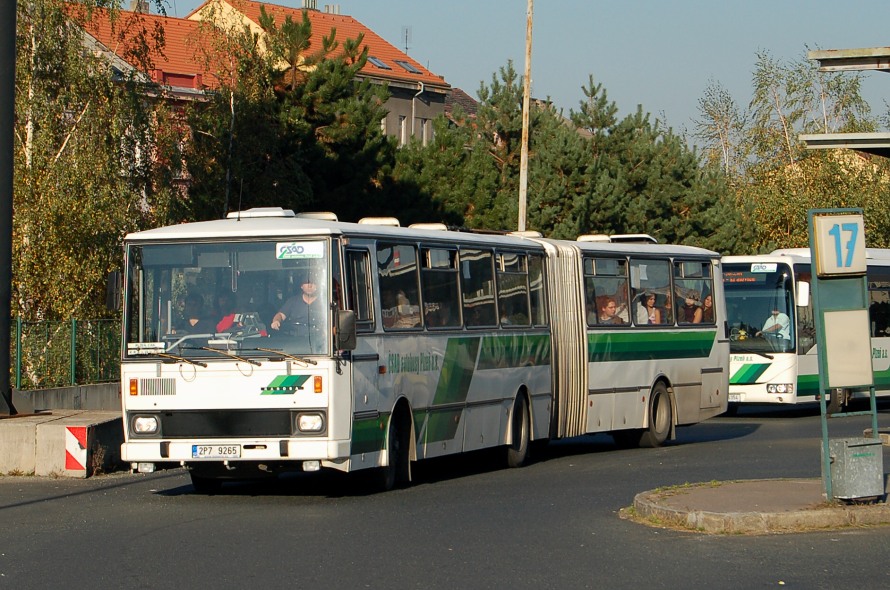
{"points": [[19, 447], [79, 444]]}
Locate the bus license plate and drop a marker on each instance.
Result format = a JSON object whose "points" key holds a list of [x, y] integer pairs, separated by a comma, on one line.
{"points": [[735, 397], [216, 451]]}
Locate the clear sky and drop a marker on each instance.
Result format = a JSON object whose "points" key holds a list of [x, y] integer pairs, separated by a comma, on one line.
{"points": [[660, 54]]}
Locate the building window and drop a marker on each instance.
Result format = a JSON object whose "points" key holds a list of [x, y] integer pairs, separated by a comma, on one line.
{"points": [[408, 67], [403, 130], [379, 63], [424, 131]]}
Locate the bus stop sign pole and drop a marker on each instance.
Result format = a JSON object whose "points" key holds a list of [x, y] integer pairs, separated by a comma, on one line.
{"points": [[843, 336]]}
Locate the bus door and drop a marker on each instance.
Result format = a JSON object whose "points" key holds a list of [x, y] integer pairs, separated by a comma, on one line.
{"points": [[365, 359]]}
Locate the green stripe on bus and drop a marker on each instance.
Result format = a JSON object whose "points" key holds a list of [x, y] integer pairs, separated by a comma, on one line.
{"points": [[514, 350], [882, 379], [748, 374], [645, 345], [457, 371], [458, 367], [807, 386], [369, 435]]}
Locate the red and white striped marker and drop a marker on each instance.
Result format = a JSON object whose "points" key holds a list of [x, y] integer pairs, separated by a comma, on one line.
{"points": [[76, 448]]}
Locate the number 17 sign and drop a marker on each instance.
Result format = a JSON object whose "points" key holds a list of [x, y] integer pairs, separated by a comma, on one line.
{"points": [[840, 245]]}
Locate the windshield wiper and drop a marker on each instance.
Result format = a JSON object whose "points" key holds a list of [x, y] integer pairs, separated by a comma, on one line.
{"points": [[290, 356], [182, 359], [231, 355], [757, 352]]}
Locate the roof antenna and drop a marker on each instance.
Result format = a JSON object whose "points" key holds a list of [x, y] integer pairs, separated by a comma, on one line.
{"points": [[406, 35]]}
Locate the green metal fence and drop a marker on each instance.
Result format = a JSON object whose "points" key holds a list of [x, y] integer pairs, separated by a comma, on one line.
{"points": [[57, 354]]}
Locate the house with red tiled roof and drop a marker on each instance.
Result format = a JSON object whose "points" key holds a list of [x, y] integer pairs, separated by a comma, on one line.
{"points": [[175, 67], [417, 95]]}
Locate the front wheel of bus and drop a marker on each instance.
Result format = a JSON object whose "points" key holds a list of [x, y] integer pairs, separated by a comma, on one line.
{"points": [[660, 417], [398, 468], [517, 451]]}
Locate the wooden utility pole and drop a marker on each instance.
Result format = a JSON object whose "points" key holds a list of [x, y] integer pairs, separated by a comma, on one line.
{"points": [[526, 99]]}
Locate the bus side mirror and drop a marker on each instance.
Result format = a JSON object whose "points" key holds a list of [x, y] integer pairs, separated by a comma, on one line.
{"points": [[113, 291], [803, 294], [345, 329]]}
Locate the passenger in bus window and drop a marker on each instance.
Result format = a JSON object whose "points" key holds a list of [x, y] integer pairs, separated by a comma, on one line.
{"points": [[608, 311], [691, 312], [647, 313], [707, 310], [226, 310], [667, 310]]}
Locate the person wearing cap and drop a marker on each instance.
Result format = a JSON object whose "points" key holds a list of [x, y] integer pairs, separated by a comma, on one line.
{"points": [[301, 311], [777, 324]]}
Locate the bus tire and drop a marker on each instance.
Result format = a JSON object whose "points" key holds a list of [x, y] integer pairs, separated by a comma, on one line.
{"points": [[520, 427], [660, 418], [398, 469]]}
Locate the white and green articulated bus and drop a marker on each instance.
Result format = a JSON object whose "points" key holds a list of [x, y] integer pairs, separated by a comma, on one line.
{"points": [[780, 366], [423, 342]]}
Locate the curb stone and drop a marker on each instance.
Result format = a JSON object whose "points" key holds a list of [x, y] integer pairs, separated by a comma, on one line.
{"points": [[653, 508]]}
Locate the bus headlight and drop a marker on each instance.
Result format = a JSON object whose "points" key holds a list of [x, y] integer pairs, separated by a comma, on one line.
{"points": [[780, 388], [145, 425], [311, 422]]}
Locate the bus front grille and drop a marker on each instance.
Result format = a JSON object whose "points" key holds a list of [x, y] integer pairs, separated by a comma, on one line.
{"points": [[226, 423]]}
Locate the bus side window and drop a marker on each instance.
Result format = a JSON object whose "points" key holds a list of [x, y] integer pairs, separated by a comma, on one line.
{"points": [[512, 276], [879, 302], [536, 290], [694, 287], [606, 291], [399, 286], [358, 288], [438, 281], [477, 287]]}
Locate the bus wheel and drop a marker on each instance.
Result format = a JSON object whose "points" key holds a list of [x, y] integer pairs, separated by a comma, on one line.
{"points": [[205, 485], [517, 451], [660, 418], [397, 470]]}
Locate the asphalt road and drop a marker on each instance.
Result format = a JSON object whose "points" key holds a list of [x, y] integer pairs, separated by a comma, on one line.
{"points": [[465, 523]]}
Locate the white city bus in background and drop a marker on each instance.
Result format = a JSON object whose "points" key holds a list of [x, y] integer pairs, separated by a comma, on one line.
{"points": [[767, 369], [430, 342]]}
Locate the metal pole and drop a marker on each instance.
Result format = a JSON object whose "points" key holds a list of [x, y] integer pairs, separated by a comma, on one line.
{"points": [[7, 118], [526, 99], [72, 353]]}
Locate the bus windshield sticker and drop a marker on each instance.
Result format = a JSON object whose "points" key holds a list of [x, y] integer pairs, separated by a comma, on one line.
{"points": [[298, 250], [135, 348], [764, 267]]}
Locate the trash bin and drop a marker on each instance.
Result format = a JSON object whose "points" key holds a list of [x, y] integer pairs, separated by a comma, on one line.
{"points": [[857, 468]]}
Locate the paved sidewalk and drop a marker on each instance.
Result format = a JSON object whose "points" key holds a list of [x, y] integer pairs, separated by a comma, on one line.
{"points": [[753, 507]]}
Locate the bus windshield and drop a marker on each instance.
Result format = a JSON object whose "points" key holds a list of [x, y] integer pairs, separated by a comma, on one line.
{"points": [[759, 307], [214, 300]]}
